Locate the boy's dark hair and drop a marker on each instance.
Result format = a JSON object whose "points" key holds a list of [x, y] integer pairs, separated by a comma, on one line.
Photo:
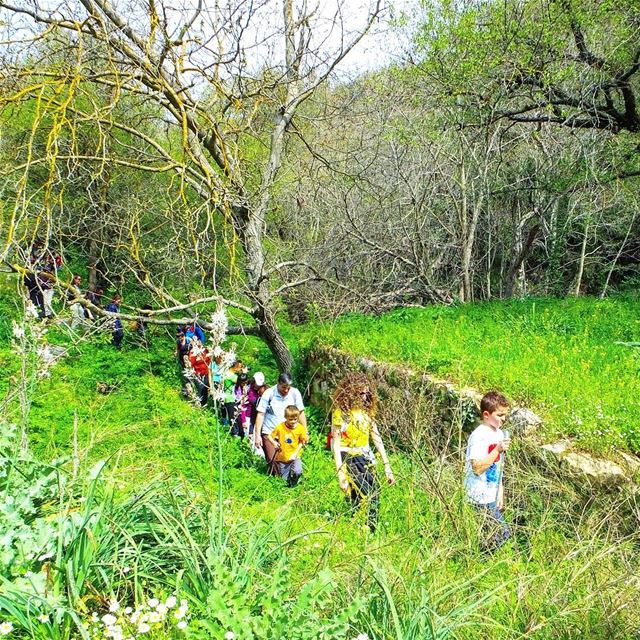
{"points": [[285, 378], [492, 400]]}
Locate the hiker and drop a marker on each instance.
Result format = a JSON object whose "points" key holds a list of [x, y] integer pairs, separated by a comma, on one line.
{"points": [[193, 329], [228, 386], [199, 359], [215, 374], [141, 328], [78, 315], [270, 414], [288, 438], [240, 426], [117, 332], [353, 422], [484, 463], [256, 390], [46, 278]]}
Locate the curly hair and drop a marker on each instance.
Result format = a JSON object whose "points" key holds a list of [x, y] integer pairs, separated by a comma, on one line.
{"points": [[348, 393]]}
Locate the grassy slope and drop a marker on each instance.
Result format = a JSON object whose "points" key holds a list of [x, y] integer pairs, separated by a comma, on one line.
{"points": [[558, 356], [425, 546]]}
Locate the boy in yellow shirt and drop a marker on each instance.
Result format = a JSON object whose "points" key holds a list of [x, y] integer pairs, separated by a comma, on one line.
{"points": [[288, 438]]}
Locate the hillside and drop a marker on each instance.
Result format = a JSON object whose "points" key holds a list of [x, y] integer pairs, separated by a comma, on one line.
{"points": [[183, 507], [561, 357]]}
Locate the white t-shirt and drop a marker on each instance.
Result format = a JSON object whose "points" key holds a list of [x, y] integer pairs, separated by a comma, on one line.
{"points": [[483, 488], [272, 404]]}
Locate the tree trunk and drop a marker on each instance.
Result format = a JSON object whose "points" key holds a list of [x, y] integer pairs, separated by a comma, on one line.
{"points": [[583, 254], [603, 293]]}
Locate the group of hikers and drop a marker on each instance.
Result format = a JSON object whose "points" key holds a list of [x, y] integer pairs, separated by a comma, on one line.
{"points": [[273, 417], [274, 421]]}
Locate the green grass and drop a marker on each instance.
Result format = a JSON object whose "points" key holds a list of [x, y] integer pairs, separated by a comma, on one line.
{"points": [[420, 577], [559, 357]]}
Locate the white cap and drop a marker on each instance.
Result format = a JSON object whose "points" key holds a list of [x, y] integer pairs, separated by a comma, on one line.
{"points": [[258, 378]]}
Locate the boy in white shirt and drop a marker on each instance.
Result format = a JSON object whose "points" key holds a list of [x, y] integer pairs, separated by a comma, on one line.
{"points": [[484, 464]]}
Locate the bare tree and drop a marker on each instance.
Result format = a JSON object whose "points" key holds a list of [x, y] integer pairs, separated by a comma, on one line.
{"points": [[225, 83]]}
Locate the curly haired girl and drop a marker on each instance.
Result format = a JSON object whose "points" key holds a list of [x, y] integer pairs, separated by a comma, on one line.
{"points": [[355, 402]]}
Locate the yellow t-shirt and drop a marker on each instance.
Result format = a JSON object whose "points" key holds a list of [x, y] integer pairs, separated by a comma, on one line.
{"points": [[289, 439], [355, 431]]}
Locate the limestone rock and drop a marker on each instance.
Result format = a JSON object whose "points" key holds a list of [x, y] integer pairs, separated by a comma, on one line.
{"points": [[524, 422], [596, 470], [557, 449]]}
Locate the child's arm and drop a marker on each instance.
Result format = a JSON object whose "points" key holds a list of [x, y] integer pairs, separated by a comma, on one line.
{"points": [[480, 465], [377, 441], [274, 442], [336, 441]]}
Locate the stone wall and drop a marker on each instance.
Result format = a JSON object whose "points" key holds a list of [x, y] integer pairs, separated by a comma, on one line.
{"points": [[451, 412]]}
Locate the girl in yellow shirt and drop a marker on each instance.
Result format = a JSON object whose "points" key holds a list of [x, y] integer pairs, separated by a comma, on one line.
{"points": [[353, 424]]}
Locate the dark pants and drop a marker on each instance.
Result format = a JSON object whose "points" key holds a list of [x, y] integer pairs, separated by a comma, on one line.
{"points": [[116, 337], [364, 486], [35, 292], [494, 530], [202, 387], [291, 471], [270, 456], [229, 415]]}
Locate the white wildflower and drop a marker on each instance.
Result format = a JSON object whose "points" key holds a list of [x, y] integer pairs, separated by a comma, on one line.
{"points": [[46, 556], [229, 358], [153, 603], [114, 605], [44, 618], [180, 613], [109, 620], [362, 636], [143, 627], [154, 617], [171, 602], [219, 326], [229, 635], [126, 569], [114, 632], [6, 628], [162, 609], [94, 617], [182, 624], [18, 331]]}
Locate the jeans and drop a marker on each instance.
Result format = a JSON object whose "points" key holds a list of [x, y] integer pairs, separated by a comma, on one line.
{"points": [[494, 530], [291, 471], [202, 387]]}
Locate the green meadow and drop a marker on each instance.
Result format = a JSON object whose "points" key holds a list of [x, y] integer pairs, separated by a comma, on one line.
{"points": [[567, 359], [136, 495]]}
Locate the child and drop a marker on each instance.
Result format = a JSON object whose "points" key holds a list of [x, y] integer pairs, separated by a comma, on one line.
{"points": [[240, 426], [288, 438], [483, 470]]}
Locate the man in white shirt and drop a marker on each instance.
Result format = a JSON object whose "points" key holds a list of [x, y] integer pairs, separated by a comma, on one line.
{"points": [[270, 414]]}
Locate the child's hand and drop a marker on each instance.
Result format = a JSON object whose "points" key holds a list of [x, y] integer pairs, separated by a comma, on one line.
{"points": [[503, 445], [344, 484], [390, 477]]}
